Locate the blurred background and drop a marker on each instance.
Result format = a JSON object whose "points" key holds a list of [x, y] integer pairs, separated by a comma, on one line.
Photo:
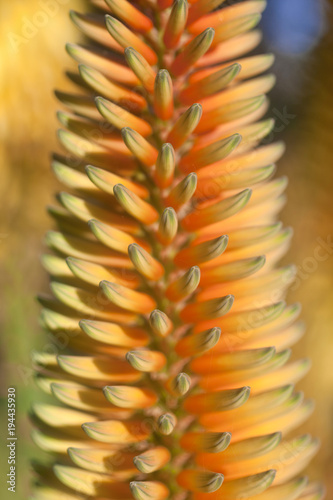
{"points": [[33, 59]]}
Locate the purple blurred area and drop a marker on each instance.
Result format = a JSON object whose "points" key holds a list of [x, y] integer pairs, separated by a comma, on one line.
{"points": [[294, 26]]}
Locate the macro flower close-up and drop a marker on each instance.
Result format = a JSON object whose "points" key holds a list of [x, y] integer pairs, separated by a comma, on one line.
{"points": [[169, 364]]}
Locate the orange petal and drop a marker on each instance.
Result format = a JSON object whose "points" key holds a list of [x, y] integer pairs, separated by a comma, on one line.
{"points": [[126, 298], [130, 14], [126, 38]]}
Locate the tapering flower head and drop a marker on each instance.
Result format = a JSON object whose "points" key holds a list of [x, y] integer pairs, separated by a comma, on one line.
{"points": [[170, 374]]}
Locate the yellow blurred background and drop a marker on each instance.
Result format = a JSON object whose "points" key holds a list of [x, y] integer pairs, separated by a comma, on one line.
{"points": [[32, 64]]}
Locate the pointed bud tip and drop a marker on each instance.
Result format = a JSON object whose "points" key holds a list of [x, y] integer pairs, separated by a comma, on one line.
{"points": [[182, 384], [110, 21], [212, 482], [136, 361], [141, 465], [212, 337], [126, 130], [196, 107], [166, 423], [209, 31], [160, 323], [221, 442], [194, 271], [129, 50], [163, 73], [236, 137], [119, 189], [168, 226]]}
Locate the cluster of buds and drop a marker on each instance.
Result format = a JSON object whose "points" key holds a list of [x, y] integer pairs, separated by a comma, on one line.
{"points": [[176, 381]]}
